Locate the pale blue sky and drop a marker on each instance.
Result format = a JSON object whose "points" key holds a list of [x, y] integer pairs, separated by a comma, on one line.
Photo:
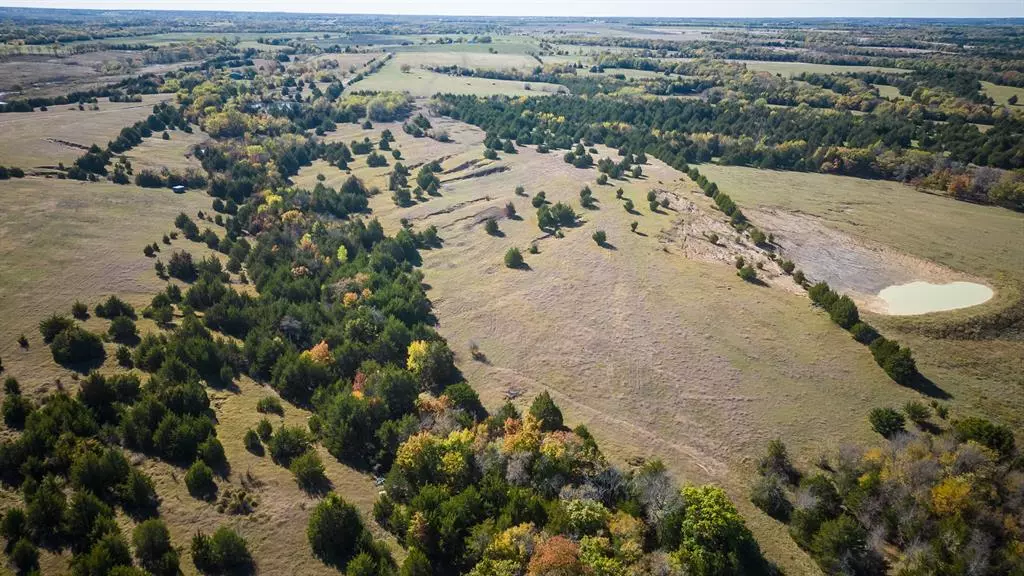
{"points": [[681, 8]]}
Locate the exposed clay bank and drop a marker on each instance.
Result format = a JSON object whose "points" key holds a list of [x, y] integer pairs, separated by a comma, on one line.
{"points": [[925, 297]]}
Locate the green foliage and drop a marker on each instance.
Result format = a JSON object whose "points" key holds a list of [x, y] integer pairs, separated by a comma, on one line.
{"points": [[768, 495], [917, 412], [264, 429], [76, 346], [309, 471], [199, 480], [252, 442], [288, 443], [335, 532], [844, 312], [713, 538], [269, 405], [16, 409], [513, 258], [546, 411], [153, 548], [600, 237], [996, 437], [864, 333], [123, 329], [896, 360], [25, 556], [491, 226], [886, 421], [225, 552], [747, 273], [54, 325]]}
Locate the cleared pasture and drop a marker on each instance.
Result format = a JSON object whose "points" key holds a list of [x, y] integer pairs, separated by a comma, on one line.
{"points": [[983, 376], [658, 354], [64, 240], [1003, 93], [419, 82], [43, 139], [467, 59], [793, 68]]}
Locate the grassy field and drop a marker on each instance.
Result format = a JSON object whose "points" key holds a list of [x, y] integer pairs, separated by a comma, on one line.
{"points": [[418, 82], [467, 59], [660, 355], [32, 140], [886, 91], [984, 377], [174, 154], [794, 68], [1002, 93], [63, 240]]}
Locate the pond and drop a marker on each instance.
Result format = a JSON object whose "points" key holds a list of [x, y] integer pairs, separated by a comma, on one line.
{"points": [[925, 297]]}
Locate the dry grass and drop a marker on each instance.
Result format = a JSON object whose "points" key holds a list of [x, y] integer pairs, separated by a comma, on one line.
{"points": [[1002, 93], [660, 355], [34, 140], [794, 68], [174, 154], [63, 240], [419, 82], [276, 530], [984, 377]]}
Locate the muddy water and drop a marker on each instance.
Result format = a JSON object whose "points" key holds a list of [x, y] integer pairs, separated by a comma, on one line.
{"points": [[924, 297]]}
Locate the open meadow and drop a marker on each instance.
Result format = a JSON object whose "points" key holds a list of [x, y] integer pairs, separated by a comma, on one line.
{"points": [[423, 83], [659, 353], [41, 140], [475, 365]]}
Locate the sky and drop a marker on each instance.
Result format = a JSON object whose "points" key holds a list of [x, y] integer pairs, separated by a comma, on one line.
{"points": [[670, 8]]}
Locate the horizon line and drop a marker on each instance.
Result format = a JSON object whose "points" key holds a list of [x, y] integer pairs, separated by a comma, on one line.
{"points": [[509, 16]]}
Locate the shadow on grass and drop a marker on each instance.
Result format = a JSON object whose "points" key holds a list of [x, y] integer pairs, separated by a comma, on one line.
{"points": [[317, 486], [926, 386], [608, 246], [496, 234], [524, 266]]}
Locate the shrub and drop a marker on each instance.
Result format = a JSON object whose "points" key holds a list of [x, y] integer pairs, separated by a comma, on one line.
{"points": [[79, 310], [11, 385], [309, 471], [600, 237], [799, 277], [14, 525], [335, 530], [546, 412], [602, 179], [747, 273], [653, 205], [513, 258], [223, 553], [123, 329], [768, 495], [252, 442], [844, 312], [211, 451], [490, 154], [76, 345], [16, 409], [288, 443], [491, 226], [264, 429], [886, 421], [538, 199], [897, 361], [115, 307], [270, 405], [917, 412], [510, 210], [994, 436], [787, 266], [25, 556], [776, 463], [633, 225], [50, 327], [153, 549], [619, 193], [199, 480], [863, 333], [180, 266], [23, 341], [534, 249], [124, 356], [520, 190]]}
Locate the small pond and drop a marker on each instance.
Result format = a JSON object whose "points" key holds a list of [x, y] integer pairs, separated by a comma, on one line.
{"points": [[925, 297]]}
